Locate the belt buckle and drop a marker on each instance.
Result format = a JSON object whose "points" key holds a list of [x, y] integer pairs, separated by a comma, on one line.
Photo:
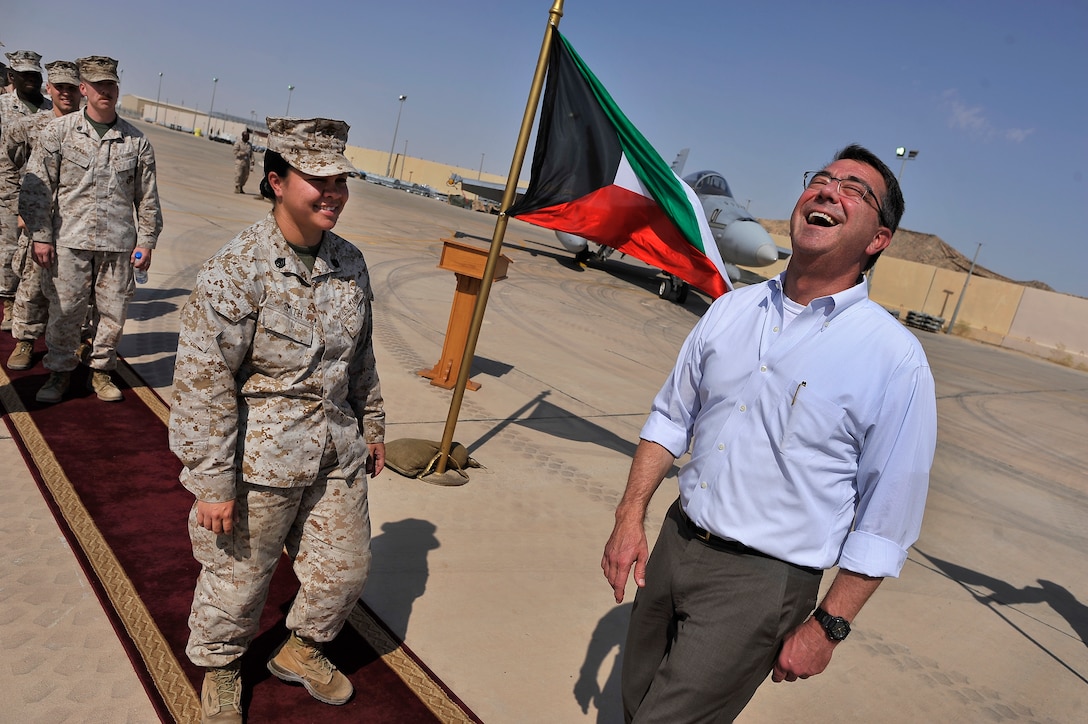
{"points": [[703, 535]]}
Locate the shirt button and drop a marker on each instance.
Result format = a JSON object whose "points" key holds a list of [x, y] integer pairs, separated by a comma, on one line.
{"points": [[743, 408], [775, 329], [721, 446], [703, 485], [763, 368]]}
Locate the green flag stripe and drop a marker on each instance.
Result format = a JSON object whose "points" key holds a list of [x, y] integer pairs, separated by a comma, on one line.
{"points": [[663, 185]]}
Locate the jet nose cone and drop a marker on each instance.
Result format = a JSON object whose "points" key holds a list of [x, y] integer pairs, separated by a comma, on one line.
{"points": [[766, 254], [752, 244]]}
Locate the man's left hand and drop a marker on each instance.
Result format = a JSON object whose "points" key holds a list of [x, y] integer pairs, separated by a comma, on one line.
{"points": [[806, 651]]}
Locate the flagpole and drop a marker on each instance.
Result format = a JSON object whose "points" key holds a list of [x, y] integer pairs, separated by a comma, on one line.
{"points": [[500, 230]]}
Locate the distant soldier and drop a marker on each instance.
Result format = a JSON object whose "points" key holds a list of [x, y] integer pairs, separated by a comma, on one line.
{"points": [[26, 99], [243, 159], [31, 306], [99, 169]]}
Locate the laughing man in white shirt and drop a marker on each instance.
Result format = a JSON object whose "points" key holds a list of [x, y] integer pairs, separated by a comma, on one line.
{"points": [[810, 416]]}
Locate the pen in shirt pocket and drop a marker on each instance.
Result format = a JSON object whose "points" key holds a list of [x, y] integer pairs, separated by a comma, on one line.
{"points": [[794, 400]]}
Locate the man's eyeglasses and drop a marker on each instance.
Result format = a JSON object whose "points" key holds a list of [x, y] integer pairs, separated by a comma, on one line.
{"points": [[848, 187]]}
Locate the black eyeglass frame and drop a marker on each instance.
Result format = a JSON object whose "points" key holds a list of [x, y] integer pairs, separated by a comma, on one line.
{"points": [[867, 190]]}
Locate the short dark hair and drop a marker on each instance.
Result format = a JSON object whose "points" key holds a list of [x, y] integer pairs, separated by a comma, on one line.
{"points": [[891, 204], [273, 163]]}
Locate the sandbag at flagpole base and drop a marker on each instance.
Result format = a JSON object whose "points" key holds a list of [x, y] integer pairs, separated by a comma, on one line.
{"points": [[414, 458]]}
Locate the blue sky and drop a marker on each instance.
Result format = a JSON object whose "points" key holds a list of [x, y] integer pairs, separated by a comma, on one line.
{"points": [[992, 93]]}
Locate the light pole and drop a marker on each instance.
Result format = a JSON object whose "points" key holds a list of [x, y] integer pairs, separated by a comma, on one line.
{"points": [[956, 311], [215, 84], [906, 155], [389, 166], [157, 96], [253, 116], [290, 90], [480, 173]]}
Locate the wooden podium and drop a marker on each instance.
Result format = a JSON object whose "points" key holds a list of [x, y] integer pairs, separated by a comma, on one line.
{"points": [[467, 262]]}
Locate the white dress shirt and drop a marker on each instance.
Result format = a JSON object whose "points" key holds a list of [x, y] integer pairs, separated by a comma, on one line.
{"points": [[810, 442]]}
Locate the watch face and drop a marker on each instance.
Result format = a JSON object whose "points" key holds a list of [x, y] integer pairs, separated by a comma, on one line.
{"points": [[837, 629]]}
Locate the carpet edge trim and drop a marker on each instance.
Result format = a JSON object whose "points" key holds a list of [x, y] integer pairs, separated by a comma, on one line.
{"points": [[419, 680], [159, 661]]}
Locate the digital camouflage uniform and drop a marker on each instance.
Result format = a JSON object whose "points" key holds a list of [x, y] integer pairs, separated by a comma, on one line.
{"points": [[99, 183], [31, 305], [13, 108], [276, 396], [243, 159]]}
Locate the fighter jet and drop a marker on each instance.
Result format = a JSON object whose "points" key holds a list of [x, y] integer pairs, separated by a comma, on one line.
{"points": [[740, 238]]}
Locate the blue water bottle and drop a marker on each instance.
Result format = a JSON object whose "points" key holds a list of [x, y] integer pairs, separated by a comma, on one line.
{"points": [[139, 274]]}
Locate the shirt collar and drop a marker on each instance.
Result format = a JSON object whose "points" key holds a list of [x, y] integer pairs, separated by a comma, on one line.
{"points": [[833, 304]]}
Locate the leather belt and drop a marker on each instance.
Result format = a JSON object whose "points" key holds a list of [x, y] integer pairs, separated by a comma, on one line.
{"points": [[733, 546]]}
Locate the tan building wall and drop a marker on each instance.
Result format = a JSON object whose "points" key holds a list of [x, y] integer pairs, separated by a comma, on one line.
{"points": [[1054, 326], [1044, 324]]}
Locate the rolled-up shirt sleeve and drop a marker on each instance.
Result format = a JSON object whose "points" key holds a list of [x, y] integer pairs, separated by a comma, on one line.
{"points": [[893, 476], [677, 404]]}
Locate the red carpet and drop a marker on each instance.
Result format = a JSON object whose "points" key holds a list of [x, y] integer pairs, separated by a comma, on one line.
{"points": [[108, 475]]}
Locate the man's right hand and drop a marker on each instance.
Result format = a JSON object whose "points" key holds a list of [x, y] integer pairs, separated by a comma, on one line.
{"points": [[216, 517], [626, 547], [44, 254]]}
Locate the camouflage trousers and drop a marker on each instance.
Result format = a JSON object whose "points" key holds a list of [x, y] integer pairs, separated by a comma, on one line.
{"points": [[78, 281], [31, 305], [325, 529], [241, 174]]}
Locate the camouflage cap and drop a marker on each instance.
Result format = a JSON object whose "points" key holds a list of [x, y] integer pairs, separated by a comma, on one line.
{"points": [[314, 146], [25, 61], [62, 71], [95, 68]]}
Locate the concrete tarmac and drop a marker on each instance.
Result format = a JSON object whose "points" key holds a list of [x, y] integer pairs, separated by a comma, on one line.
{"points": [[497, 585]]}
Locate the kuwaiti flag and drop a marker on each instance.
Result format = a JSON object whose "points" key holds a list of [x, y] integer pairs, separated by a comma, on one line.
{"points": [[594, 175]]}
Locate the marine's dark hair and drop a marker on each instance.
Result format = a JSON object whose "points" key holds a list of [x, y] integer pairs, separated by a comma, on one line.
{"points": [[891, 204], [273, 163]]}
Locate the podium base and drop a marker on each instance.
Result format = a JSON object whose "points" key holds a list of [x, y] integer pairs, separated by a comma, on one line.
{"points": [[445, 381]]}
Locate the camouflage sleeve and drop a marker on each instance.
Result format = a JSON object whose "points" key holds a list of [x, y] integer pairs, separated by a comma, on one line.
{"points": [[39, 183], [365, 393], [217, 326], [9, 171], [148, 209]]}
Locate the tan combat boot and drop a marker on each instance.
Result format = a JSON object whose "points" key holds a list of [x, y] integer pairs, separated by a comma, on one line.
{"points": [[9, 309], [54, 388], [301, 661], [22, 357], [221, 695], [102, 385]]}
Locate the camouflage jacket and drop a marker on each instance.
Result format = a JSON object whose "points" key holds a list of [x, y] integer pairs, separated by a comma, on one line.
{"points": [[96, 184], [12, 108], [15, 152], [274, 362]]}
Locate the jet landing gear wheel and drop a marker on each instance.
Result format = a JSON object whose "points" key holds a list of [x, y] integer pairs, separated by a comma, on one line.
{"points": [[673, 290]]}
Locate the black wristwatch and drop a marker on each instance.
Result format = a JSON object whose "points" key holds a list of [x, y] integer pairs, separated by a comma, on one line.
{"points": [[836, 627]]}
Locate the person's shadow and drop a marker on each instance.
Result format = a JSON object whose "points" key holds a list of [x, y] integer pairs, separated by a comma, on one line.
{"points": [[399, 568], [610, 634]]}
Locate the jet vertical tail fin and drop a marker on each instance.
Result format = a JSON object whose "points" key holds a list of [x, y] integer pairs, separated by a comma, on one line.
{"points": [[677, 165]]}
